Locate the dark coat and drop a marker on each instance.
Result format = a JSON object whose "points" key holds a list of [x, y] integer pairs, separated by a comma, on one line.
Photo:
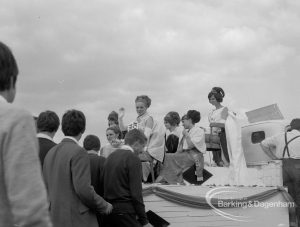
{"points": [[44, 146], [73, 201], [97, 168]]}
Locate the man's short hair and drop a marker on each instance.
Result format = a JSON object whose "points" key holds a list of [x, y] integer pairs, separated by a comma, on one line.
{"points": [[134, 136], [47, 121], [73, 123], [295, 124], [8, 68], [91, 142]]}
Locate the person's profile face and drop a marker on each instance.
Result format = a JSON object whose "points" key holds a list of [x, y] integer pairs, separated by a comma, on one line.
{"points": [[213, 100], [111, 135], [140, 108], [167, 125], [186, 123]]}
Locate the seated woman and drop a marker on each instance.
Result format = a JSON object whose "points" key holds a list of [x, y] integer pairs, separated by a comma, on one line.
{"points": [[112, 134], [217, 118], [154, 149], [190, 151], [172, 120]]}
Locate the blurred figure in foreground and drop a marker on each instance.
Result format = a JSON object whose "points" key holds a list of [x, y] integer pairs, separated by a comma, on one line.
{"points": [[23, 198]]}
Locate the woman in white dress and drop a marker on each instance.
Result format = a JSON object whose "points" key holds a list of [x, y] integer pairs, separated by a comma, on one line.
{"points": [[217, 118], [225, 121]]}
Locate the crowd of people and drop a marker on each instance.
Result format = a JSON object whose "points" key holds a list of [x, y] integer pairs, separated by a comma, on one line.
{"points": [[89, 185], [43, 183]]}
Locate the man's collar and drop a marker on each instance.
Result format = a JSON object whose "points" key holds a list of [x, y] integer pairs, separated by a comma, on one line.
{"points": [[42, 135], [92, 152], [2, 99], [71, 138], [126, 147]]}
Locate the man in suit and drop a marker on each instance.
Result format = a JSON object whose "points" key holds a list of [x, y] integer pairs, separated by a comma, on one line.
{"points": [[73, 200], [47, 126], [92, 145], [23, 197], [123, 183]]}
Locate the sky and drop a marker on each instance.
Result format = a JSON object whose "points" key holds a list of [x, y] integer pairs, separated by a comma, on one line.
{"points": [[97, 55]]}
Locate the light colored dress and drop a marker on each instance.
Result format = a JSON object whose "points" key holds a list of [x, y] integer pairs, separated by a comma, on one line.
{"points": [[155, 144], [237, 166], [215, 116]]}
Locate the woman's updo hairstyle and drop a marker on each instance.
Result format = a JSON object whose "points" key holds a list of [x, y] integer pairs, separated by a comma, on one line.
{"points": [[194, 115], [145, 99], [218, 93], [113, 116], [172, 118]]}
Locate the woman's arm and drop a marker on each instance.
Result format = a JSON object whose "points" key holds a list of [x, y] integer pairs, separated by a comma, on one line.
{"points": [[224, 113], [188, 139], [120, 119], [148, 128]]}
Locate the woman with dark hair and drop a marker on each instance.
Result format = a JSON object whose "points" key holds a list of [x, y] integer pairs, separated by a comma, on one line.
{"points": [[190, 151], [112, 134], [217, 118], [224, 121], [153, 131], [171, 121]]}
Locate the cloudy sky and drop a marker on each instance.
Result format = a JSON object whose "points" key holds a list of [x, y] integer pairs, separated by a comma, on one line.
{"points": [[99, 55]]}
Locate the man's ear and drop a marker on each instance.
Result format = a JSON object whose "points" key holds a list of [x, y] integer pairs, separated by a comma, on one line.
{"points": [[12, 84]]}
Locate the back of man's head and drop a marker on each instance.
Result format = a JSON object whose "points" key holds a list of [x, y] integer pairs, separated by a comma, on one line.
{"points": [[8, 67], [135, 136], [73, 123], [295, 124], [47, 121], [91, 142]]}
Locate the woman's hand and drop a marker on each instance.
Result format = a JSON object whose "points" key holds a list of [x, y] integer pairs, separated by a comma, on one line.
{"points": [[185, 133], [121, 112]]}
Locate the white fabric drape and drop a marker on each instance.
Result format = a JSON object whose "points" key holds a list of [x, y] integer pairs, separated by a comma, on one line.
{"points": [[237, 167]]}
